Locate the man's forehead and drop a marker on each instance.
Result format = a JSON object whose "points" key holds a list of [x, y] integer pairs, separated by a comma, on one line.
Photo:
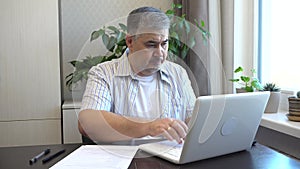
{"points": [[154, 36], [163, 32]]}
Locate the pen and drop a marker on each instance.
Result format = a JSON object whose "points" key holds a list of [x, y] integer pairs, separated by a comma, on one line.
{"points": [[53, 156], [34, 159]]}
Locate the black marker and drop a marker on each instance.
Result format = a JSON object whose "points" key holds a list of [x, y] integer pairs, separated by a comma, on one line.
{"points": [[53, 156], [34, 159]]}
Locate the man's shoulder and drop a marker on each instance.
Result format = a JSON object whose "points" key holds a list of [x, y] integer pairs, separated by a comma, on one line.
{"points": [[108, 66]]}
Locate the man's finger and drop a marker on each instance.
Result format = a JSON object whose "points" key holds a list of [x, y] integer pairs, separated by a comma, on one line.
{"points": [[180, 130], [174, 134], [167, 135], [183, 124]]}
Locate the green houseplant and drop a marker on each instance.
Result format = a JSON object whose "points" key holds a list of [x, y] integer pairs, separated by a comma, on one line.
{"points": [[274, 99], [113, 38], [247, 83], [272, 87]]}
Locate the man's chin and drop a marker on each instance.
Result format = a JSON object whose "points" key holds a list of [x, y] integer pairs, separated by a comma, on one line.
{"points": [[149, 71]]}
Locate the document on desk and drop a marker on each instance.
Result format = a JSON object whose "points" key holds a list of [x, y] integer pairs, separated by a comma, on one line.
{"points": [[98, 156]]}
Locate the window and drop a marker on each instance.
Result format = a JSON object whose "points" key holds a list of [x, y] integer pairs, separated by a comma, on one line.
{"points": [[279, 49]]}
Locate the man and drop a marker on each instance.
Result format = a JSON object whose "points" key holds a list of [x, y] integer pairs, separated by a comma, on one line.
{"points": [[140, 94]]}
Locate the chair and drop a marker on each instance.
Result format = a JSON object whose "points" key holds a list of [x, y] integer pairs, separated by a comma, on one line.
{"points": [[87, 141]]}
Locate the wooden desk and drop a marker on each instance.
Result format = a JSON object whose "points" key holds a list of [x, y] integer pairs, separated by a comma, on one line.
{"points": [[259, 157]]}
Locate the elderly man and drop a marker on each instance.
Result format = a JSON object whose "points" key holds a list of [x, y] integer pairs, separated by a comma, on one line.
{"points": [[140, 94]]}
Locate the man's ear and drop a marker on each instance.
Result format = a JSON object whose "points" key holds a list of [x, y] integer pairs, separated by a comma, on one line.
{"points": [[129, 41]]}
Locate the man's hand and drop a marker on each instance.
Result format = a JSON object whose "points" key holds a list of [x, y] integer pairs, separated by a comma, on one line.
{"points": [[170, 128]]}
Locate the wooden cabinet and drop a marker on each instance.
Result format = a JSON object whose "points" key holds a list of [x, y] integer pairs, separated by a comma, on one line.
{"points": [[30, 95], [30, 132]]}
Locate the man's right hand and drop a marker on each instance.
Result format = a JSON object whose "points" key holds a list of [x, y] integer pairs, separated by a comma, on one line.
{"points": [[170, 128]]}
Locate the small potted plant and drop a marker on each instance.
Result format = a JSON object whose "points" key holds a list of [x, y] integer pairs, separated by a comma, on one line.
{"points": [[248, 83], [274, 99]]}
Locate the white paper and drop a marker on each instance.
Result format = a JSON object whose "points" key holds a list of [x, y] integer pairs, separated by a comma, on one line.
{"points": [[98, 156]]}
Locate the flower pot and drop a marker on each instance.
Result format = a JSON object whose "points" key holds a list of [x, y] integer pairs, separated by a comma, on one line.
{"points": [[273, 102], [294, 109], [240, 90]]}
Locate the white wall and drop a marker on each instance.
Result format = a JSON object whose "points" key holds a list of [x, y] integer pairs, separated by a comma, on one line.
{"points": [[80, 17]]}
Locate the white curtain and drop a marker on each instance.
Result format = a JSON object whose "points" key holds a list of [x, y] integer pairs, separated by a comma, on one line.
{"points": [[221, 48], [232, 42], [232, 24]]}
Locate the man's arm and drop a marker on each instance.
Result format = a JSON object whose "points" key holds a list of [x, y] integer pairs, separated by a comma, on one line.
{"points": [[109, 127]]}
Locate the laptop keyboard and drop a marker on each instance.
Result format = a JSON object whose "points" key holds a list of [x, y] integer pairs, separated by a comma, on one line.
{"points": [[176, 152], [170, 147]]}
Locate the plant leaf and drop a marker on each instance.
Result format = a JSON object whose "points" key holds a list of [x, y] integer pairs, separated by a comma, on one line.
{"points": [[174, 35], [73, 63], [170, 12], [187, 26], [113, 28], [69, 75], [105, 40], [123, 27], [173, 5], [179, 6], [122, 42], [245, 79], [253, 71], [192, 42], [184, 52], [96, 34], [234, 80], [111, 43], [256, 85], [249, 89], [202, 23], [239, 69]]}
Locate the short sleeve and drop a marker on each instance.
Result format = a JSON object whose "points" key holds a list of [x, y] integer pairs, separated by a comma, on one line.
{"points": [[97, 95]]}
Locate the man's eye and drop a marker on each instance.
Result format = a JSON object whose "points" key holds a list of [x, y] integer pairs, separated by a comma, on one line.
{"points": [[164, 45], [150, 45]]}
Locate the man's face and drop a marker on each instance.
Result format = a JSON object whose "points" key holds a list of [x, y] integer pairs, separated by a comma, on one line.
{"points": [[147, 51]]}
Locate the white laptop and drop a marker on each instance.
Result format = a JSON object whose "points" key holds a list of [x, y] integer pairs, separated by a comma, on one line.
{"points": [[220, 124]]}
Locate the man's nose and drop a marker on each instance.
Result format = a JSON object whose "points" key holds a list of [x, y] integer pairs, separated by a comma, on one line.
{"points": [[158, 51]]}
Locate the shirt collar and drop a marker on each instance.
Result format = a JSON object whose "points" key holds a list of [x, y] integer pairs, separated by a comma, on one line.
{"points": [[164, 74], [124, 69]]}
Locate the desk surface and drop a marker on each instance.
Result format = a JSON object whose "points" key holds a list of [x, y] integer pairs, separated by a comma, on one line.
{"points": [[259, 157]]}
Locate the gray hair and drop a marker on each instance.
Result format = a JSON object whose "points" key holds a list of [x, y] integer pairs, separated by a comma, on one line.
{"points": [[147, 19]]}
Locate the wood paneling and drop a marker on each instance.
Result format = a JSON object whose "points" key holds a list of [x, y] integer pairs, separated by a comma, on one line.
{"points": [[29, 62], [30, 132], [29, 72]]}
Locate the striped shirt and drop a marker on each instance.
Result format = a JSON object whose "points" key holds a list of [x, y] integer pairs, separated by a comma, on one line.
{"points": [[112, 86]]}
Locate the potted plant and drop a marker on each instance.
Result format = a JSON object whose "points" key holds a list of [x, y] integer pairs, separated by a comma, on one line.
{"points": [[247, 83], [113, 39], [274, 99]]}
